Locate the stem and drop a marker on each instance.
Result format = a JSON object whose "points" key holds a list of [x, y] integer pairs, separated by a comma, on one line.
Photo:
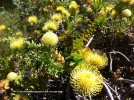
{"points": [[115, 52], [118, 96], [121, 79], [90, 40], [90, 97], [108, 90], [111, 63], [115, 91]]}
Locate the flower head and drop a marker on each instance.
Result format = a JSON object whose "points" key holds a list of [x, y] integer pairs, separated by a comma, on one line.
{"points": [[85, 52], [11, 76], [86, 80], [89, 9], [73, 5], [60, 8], [107, 9], [57, 17], [66, 13], [131, 2], [126, 13], [4, 84], [49, 39], [97, 59], [50, 25], [19, 33], [17, 44], [32, 20], [2, 27]]}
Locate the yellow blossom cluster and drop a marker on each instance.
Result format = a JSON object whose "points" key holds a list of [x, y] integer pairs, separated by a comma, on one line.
{"points": [[49, 39], [11, 76], [50, 25], [2, 27], [130, 2], [107, 9], [17, 44], [86, 80], [126, 13], [73, 5], [95, 58], [57, 17], [32, 19], [4, 85], [63, 11]]}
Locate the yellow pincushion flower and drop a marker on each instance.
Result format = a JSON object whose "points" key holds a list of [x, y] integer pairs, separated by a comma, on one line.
{"points": [[73, 5], [17, 44], [85, 52], [60, 8], [36, 32], [2, 27], [66, 13], [49, 39], [85, 80], [126, 13], [50, 25], [11, 76], [106, 9], [19, 33], [89, 9], [131, 2], [97, 59], [32, 20], [57, 17], [4, 84]]}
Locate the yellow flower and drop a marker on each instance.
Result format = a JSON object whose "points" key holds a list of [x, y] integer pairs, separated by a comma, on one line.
{"points": [[89, 9], [17, 44], [131, 2], [49, 39], [79, 20], [85, 80], [66, 13], [85, 52], [107, 9], [19, 33], [11, 76], [50, 25], [73, 5], [126, 13], [97, 59], [32, 20], [36, 32], [57, 17], [60, 8], [6, 82], [113, 12], [2, 27]]}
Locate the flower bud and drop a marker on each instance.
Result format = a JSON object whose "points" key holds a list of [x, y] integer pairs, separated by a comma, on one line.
{"points": [[11, 76], [126, 13]]}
